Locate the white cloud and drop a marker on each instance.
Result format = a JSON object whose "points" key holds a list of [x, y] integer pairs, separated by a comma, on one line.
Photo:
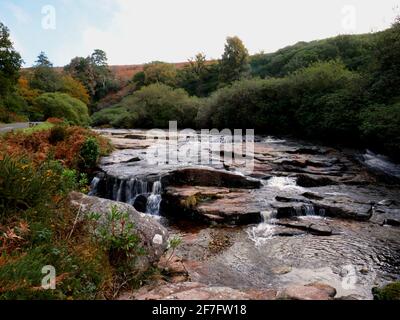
{"points": [[20, 14], [174, 30]]}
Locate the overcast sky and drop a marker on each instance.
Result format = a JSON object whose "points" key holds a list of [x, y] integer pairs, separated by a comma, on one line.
{"points": [[134, 32]]}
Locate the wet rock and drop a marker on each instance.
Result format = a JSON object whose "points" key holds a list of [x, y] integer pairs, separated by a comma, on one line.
{"points": [[123, 143], [318, 229], [286, 199], [153, 236], [198, 291], [312, 196], [392, 222], [388, 203], [308, 292], [309, 150], [308, 181], [209, 178], [219, 205], [140, 203], [385, 216]]}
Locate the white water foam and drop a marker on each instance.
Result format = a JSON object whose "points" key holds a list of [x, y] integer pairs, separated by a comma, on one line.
{"points": [[283, 183], [264, 231]]}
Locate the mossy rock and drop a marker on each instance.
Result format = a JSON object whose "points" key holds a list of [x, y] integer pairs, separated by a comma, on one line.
{"points": [[389, 292]]}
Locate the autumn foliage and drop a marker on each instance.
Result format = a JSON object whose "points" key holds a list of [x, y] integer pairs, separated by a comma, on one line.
{"points": [[39, 147]]}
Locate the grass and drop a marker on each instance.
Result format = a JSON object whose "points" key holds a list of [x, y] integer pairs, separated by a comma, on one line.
{"points": [[36, 221], [40, 127]]}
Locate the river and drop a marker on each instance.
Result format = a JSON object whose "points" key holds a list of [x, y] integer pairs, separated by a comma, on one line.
{"points": [[303, 214]]}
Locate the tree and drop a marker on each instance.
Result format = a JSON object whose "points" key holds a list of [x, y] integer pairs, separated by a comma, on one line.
{"points": [[159, 72], [234, 64], [198, 77], [43, 61], [93, 72], [44, 78], [386, 78], [82, 69], [10, 62], [74, 88], [99, 58]]}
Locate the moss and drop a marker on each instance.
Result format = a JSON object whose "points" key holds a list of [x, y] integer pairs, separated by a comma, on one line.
{"points": [[389, 292], [189, 202]]}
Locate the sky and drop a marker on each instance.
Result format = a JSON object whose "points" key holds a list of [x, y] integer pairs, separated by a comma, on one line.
{"points": [[135, 32]]}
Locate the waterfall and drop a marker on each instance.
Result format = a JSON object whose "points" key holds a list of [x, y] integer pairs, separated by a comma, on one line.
{"points": [[309, 210], [267, 216], [134, 188], [154, 200], [144, 195], [93, 186], [264, 231]]}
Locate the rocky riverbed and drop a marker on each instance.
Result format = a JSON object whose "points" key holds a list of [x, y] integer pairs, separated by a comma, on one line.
{"points": [[307, 216]]}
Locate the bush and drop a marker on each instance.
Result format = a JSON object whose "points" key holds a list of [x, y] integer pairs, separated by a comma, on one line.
{"points": [[90, 153], [77, 277], [58, 133], [380, 128], [117, 236], [24, 185], [389, 292], [151, 107], [113, 116], [63, 106]]}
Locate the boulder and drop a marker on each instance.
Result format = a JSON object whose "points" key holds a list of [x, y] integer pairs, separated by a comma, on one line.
{"points": [[212, 205], [153, 236], [315, 291]]}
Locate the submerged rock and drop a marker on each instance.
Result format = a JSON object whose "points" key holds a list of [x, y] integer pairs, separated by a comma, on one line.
{"points": [[153, 236]]}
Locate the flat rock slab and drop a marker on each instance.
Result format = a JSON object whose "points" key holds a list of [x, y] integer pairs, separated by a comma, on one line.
{"points": [[198, 291], [220, 205]]}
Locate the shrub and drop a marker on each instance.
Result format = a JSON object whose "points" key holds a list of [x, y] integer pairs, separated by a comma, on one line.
{"points": [[77, 277], [57, 134], [90, 153], [110, 116], [24, 185], [389, 292], [35, 143], [151, 107], [117, 237], [63, 106], [380, 128]]}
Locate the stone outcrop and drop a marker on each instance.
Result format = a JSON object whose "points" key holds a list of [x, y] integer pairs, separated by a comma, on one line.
{"points": [[153, 236], [207, 177], [211, 204]]}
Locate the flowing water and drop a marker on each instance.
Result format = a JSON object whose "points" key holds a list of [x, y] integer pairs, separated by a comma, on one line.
{"points": [[290, 245]]}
